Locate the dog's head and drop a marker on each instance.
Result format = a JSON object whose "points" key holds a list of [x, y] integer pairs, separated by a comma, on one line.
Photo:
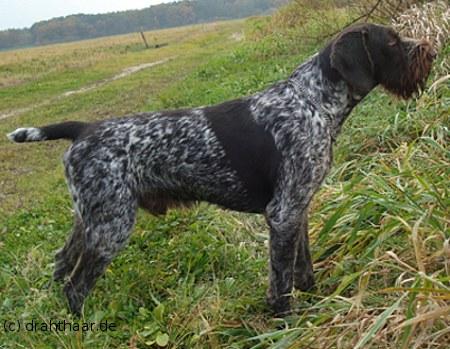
{"points": [[366, 55]]}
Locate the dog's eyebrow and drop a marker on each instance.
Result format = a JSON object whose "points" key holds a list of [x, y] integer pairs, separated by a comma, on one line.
{"points": [[394, 38]]}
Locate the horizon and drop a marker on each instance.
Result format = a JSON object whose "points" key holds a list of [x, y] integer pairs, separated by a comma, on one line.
{"points": [[22, 14]]}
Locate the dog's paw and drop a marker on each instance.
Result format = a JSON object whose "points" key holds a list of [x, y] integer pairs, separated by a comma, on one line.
{"points": [[74, 299], [280, 306], [304, 281]]}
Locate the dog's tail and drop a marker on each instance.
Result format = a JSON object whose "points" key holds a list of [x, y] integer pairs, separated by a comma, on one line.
{"points": [[67, 130]]}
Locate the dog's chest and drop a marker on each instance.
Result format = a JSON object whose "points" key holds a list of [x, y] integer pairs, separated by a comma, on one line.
{"points": [[321, 158], [313, 153]]}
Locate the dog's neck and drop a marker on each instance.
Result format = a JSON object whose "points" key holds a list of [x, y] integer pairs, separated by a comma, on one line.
{"points": [[316, 81]]}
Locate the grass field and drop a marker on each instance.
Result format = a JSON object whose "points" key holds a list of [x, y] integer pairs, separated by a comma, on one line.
{"points": [[196, 279]]}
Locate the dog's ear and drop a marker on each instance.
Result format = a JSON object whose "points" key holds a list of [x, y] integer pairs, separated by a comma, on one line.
{"points": [[351, 57]]}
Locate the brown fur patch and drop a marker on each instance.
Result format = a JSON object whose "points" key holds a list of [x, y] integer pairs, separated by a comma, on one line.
{"points": [[159, 203]]}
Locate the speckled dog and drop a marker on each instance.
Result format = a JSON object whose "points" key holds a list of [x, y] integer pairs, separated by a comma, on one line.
{"points": [[267, 153]]}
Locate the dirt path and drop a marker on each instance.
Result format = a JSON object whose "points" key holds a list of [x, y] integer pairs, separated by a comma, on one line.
{"points": [[123, 74]]}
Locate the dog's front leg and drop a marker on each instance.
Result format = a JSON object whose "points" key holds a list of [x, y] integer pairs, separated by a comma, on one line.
{"points": [[283, 223], [303, 268]]}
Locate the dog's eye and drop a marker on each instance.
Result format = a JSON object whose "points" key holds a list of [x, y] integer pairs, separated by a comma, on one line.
{"points": [[393, 42], [393, 39]]}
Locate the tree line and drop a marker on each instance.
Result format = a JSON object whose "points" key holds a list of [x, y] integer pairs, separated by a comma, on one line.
{"points": [[81, 26]]}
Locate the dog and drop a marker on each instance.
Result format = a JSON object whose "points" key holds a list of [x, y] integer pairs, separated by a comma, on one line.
{"points": [[266, 153]]}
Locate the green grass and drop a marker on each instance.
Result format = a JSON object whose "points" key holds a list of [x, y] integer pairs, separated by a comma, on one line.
{"points": [[197, 278]]}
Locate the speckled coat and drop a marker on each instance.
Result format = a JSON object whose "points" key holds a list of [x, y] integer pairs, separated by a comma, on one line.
{"points": [[267, 153]]}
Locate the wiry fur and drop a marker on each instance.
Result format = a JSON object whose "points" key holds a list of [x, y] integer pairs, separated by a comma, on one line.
{"points": [[267, 153]]}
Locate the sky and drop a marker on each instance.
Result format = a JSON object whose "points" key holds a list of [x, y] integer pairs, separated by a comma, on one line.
{"points": [[23, 13]]}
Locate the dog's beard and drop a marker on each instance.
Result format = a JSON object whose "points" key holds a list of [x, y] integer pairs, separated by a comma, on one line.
{"points": [[413, 80]]}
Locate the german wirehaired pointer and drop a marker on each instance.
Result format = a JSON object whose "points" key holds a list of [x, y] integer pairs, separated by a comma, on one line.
{"points": [[266, 153]]}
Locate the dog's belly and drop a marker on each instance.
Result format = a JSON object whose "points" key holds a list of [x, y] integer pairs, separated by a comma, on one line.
{"points": [[163, 187], [158, 203]]}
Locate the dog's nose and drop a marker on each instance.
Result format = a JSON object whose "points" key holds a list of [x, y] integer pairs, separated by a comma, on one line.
{"points": [[432, 53], [422, 45], [427, 47]]}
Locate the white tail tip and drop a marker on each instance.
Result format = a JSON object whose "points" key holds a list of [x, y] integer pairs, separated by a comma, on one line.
{"points": [[30, 134]]}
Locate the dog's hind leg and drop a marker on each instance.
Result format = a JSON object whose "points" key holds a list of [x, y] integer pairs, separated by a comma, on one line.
{"points": [[66, 258], [107, 221]]}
